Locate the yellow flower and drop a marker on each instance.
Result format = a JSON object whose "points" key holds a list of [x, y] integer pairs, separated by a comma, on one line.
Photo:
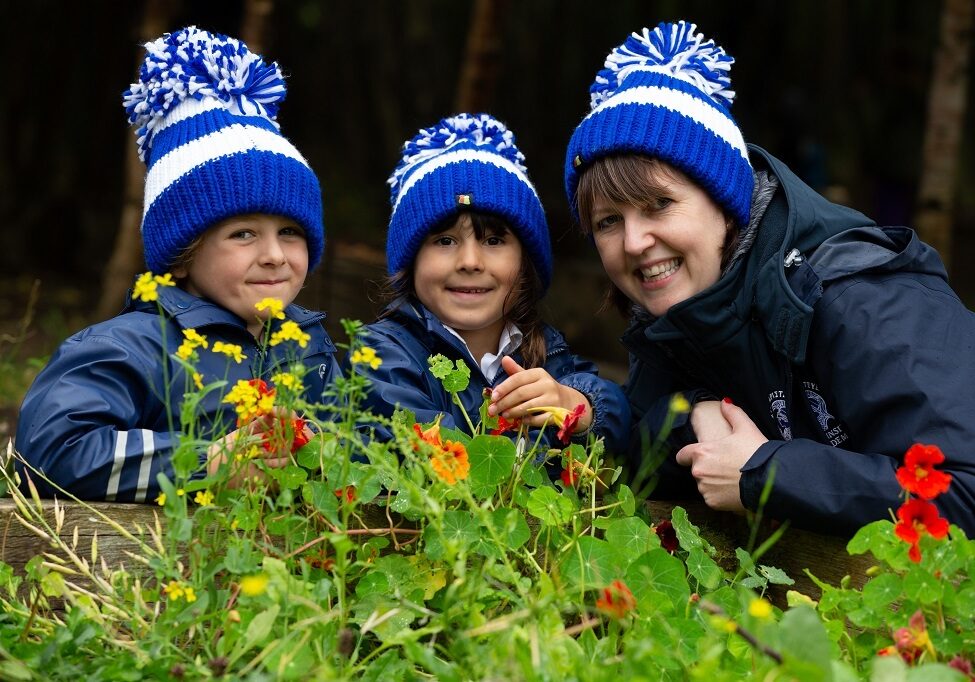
{"points": [[231, 350], [679, 404], [198, 380], [189, 594], [254, 585], [145, 288], [204, 498], [760, 608], [234, 524], [290, 331], [250, 399], [180, 492], [366, 356], [161, 499], [164, 280], [274, 307], [195, 338], [185, 350], [289, 381], [174, 590]]}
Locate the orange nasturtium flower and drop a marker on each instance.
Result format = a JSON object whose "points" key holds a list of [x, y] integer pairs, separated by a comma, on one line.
{"points": [[915, 518], [565, 419], [918, 474], [616, 600], [448, 459]]}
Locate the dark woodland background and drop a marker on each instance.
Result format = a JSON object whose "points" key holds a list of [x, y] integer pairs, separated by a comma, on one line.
{"points": [[837, 88]]}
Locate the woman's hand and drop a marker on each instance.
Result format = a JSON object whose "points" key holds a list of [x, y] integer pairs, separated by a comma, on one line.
{"points": [[716, 464], [527, 388]]}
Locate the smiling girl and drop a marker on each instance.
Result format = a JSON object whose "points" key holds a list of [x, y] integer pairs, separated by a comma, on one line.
{"points": [[469, 257]]}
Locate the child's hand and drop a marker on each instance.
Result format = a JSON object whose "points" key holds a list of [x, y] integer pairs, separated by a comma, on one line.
{"points": [[526, 388], [262, 441]]}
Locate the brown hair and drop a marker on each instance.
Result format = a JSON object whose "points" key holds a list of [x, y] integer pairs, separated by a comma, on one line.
{"points": [[520, 306], [186, 256], [636, 180]]}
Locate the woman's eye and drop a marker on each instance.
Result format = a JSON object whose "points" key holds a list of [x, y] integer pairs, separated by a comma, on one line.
{"points": [[661, 203], [607, 221]]}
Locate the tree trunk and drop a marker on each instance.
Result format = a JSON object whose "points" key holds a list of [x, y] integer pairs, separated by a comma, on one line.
{"points": [[946, 115], [482, 58], [253, 26], [126, 258]]}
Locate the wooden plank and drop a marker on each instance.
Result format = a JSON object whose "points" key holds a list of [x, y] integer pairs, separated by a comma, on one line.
{"points": [[825, 556]]}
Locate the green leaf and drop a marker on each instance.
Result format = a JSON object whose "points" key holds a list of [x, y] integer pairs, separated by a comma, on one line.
{"points": [[921, 586], [704, 569], [320, 449], [592, 563], [52, 584], [631, 536], [386, 668], [776, 576], [803, 637], [492, 460], [877, 537], [511, 529], [440, 365], [290, 477], [549, 507], [454, 376], [657, 573], [460, 532], [688, 535], [258, 630], [882, 591], [323, 499]]}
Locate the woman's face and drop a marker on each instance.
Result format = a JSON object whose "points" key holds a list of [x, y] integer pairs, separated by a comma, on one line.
{"points": [[665, 252]]}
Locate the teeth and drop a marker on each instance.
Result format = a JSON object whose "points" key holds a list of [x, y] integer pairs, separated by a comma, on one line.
{"points": [[661, 270]]}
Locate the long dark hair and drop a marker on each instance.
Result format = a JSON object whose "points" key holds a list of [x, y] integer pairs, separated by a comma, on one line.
{"points": [[638, 181], [521, 304]]}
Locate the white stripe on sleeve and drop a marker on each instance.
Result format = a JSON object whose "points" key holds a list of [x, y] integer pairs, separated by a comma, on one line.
{"points": [[145, 466], [121, 440]]}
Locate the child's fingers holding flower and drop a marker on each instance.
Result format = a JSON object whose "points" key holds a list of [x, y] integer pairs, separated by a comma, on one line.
{"points": [[527, 389]]}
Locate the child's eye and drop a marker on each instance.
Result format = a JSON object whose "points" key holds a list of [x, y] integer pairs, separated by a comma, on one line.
{"points": [[292, 231], [443, 240], [242, 234], [494, 240]]}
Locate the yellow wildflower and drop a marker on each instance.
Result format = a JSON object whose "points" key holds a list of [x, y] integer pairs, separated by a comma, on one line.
{"points": [[189, 594], [195, 338], [679, 404], [198, 380], [250, 399], [274, 307], [289, 381], [180, 492], [290, 331], [254, 585], [174, 590], [164, 280], [231, 350], [366, 356], [185, 350], [760, 608], [161, 499], [204, 498], [145, 288], [234, 524]]}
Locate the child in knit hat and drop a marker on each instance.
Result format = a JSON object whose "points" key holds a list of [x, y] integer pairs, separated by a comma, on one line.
{"points": [[835, 344], [232, 215], [469, 257]]}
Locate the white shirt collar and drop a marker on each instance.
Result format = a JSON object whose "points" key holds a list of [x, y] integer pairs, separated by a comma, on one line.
{"points": [[490, 363]]}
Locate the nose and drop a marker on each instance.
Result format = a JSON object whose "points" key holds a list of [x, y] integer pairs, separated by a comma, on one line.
{"points": [[273, 253], [469, 256], [638, 235]]}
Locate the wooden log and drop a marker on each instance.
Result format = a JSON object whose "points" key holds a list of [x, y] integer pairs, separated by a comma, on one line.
{"points": [[797, 550]]}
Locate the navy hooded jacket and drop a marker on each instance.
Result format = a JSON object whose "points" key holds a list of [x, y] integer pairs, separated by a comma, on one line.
{"points": [[845, 345], [94, 420], [409, 334]]}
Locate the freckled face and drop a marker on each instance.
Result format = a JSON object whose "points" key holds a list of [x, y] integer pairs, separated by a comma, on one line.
{"points": [[465, 281], [245, 259], [661, 254]]}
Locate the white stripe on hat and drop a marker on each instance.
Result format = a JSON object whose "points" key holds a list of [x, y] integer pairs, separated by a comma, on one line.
{"points": [[145, 467], [682, 103], [121, 438], [234, 139], [460, 156], [188, 109]]}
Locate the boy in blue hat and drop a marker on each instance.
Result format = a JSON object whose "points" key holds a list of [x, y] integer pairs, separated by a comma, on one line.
{"points": [[233, 216]]}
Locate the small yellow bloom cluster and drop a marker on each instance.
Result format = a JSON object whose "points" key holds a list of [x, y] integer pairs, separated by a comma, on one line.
{"points": [[231, 350], [146, 286], [177, 590], [198, 380], [191, 341], [289, 381], [203, 498], [250, 399], [679, 404], [273, 306], [760, 608], [366, 356], [161, 499], [254, 585], [290, 331]]}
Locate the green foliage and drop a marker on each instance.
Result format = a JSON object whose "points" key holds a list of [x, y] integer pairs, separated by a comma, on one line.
{"points": [[451, 556]]}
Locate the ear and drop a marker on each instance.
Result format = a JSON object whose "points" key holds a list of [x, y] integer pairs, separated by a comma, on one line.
{"points": [[179, 272]]}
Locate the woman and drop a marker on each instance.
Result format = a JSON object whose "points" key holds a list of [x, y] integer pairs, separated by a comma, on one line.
{"points": [[834, 343]]}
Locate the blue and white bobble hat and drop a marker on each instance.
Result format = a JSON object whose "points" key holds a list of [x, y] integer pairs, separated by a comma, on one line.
{"points": [[463, 162], [665, 93], [204, 108]]}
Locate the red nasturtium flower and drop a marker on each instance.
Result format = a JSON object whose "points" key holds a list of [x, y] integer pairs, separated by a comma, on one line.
{"points": [[299, 439], [915, 518], [616, 600], [347, 492], [910, 642], [565, 419], [504, 425], [962, 665], [668, 536], [449, 459], [918, 474], [569, 476]]}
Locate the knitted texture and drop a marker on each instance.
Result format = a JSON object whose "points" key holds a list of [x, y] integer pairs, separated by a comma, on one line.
{"points": [[465, 162], [664, 94], [204, 109]]}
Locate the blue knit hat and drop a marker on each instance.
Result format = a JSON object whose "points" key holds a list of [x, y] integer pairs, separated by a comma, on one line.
{"points": [[463, 162], [205, 107], [664, 93]]}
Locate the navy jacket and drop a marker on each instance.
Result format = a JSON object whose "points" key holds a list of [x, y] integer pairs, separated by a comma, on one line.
{"points": [[845, 345], [410, 333], [95, 420]]}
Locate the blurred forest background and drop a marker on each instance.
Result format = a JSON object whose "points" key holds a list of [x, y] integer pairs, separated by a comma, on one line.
{"points": [[839, 89]]}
